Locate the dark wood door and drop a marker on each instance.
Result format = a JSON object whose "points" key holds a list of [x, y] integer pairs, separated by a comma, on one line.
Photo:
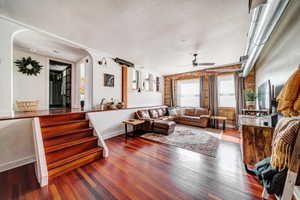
{"points": [[68, 87]]}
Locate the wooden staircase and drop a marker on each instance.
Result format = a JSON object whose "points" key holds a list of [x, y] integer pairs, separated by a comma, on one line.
{"points": [[69, 142]]}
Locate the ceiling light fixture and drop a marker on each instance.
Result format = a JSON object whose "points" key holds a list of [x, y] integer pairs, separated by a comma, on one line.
{"points": [[102, 61]]}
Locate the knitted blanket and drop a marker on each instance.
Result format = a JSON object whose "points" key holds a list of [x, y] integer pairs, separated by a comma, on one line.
{"points": [[284, 138]]}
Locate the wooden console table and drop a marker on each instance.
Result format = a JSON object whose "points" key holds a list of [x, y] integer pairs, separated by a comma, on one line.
{"points": [[256, 140]]}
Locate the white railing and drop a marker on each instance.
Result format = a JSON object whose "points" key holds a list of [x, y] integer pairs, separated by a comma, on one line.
{"points": [[97, 133], [40, 164]]}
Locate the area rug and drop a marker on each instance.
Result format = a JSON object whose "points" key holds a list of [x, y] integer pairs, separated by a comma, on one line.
{"points": [[204, 141]]}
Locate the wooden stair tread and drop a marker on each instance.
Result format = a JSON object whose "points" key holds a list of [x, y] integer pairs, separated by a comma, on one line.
{"points": [[57, 171], [72, 158], [63, 123], [59, 134], [69, 144], [61, 117]]}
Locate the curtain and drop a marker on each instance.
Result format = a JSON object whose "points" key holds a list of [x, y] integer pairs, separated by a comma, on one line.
{"points": [[213, 94], [239, 95], [202, 91], [172, 93]]}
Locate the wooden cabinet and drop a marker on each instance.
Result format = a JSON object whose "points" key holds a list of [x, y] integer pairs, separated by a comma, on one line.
{"points": [[256, 142]]}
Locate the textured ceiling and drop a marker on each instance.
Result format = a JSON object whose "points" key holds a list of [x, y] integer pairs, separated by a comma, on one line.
{"points": [[48, 46], [159, 35]]}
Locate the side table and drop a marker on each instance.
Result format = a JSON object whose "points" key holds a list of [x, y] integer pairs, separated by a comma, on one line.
{"points": [[216, 119], [134, 123]]}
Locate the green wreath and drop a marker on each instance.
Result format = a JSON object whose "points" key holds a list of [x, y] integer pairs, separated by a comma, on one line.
{"points": [[28, 66]]}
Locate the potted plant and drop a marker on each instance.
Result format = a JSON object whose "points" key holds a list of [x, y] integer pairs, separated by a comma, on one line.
{"points": [[250, 99]]}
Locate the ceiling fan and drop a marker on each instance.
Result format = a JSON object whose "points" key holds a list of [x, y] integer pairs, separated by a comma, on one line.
{"points": [[198, 64]]}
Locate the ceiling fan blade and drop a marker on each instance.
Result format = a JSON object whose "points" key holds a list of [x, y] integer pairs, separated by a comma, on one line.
{"points": [[205, 64], [223, 70]]}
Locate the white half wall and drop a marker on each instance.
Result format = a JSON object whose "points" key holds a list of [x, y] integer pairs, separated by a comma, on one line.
{"points": [[16, 143], [6, 68], [281, 55], [109, 123]]}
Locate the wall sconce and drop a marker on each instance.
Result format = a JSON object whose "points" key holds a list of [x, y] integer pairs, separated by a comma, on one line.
{"points": [[102, 61]]}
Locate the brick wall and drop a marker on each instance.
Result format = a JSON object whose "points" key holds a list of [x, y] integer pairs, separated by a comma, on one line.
{"points": [[228, 112]]}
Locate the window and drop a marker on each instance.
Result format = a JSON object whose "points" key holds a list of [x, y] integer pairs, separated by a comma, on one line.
{"points": [[135, 79], [146, 83], [157, 82], [154, 83], [226, 90], [188, 93]]}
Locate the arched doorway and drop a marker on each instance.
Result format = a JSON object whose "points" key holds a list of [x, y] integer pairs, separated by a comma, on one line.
{"points": [[58, 83]]}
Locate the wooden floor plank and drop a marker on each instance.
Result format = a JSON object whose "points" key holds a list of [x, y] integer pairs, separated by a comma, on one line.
{"points": [[143, 169]]}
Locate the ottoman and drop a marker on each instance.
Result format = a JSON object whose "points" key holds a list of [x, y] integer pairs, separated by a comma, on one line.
{"points": [[163, 126]]}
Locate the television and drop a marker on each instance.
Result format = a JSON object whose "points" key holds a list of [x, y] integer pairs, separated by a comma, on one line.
{"points": [[264, 96]]}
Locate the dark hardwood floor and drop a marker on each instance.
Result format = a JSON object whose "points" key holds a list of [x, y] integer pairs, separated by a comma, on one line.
{"points": [[141, 169]]}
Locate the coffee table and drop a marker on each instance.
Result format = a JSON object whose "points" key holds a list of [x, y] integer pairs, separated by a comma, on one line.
{"points": [[134, 123]]}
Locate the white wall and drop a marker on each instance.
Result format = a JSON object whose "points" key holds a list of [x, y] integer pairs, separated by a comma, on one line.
{"points": [[99, 90], [144, 98], [16, 143], [31, 88], [6, 68], [135, 99], [36, 87], [281, 55]]}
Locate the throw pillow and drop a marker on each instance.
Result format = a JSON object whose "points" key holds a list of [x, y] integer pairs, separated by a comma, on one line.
{"points": [[160, 112], [153, 113], [180, 111], [144, 114], [173, 112]]}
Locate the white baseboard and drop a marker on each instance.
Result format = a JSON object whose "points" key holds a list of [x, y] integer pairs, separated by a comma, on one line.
{"points": [[114, 134], [17, 163]]}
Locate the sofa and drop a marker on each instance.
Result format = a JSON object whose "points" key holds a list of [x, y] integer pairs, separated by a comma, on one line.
{"points": [[194, 117], [189, 116]]}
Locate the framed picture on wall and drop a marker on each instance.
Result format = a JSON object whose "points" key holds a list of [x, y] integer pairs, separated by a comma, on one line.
{"points": [[109, 80]]}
